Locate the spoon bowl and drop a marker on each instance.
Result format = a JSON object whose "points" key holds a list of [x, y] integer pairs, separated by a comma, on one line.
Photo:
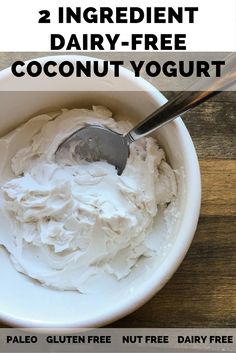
{"points": [[94, 143]]}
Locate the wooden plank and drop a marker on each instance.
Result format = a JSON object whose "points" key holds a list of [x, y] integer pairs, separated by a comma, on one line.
{"points": [[218, 187], [213, 130], [212, 126]]}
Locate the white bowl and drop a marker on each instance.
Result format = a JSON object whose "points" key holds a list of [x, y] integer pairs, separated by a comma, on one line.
{"points": [[25, 303]]}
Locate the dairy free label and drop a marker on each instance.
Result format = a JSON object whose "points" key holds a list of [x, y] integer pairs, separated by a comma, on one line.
{"points": [[119, 340]]}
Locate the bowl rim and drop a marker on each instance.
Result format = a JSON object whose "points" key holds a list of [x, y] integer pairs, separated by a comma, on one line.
{"points": [[181, 245]]}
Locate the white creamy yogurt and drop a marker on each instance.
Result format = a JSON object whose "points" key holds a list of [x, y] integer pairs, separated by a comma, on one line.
{"points": [[73, 221]]}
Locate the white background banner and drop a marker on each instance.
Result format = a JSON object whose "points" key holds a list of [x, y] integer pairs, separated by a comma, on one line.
{"points": [[213, 27]]}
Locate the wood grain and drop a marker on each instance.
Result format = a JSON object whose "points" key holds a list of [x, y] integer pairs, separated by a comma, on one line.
{"points": [[218, 187], [212, 126], [202, 291]]}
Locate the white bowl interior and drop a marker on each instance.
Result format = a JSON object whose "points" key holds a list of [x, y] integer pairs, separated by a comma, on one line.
{"points": [[24, 302]]}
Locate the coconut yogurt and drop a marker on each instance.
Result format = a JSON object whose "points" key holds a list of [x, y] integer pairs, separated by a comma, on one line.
{"points": [[71, 221]]}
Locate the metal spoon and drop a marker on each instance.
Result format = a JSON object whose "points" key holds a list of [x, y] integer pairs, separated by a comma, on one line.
{"points": [[93, 142]]}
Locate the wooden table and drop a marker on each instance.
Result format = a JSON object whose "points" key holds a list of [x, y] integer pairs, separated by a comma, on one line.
{"points": [[202, 291]]}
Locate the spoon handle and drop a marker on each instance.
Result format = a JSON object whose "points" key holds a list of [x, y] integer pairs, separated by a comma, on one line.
{"points": [[185, 101]]}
